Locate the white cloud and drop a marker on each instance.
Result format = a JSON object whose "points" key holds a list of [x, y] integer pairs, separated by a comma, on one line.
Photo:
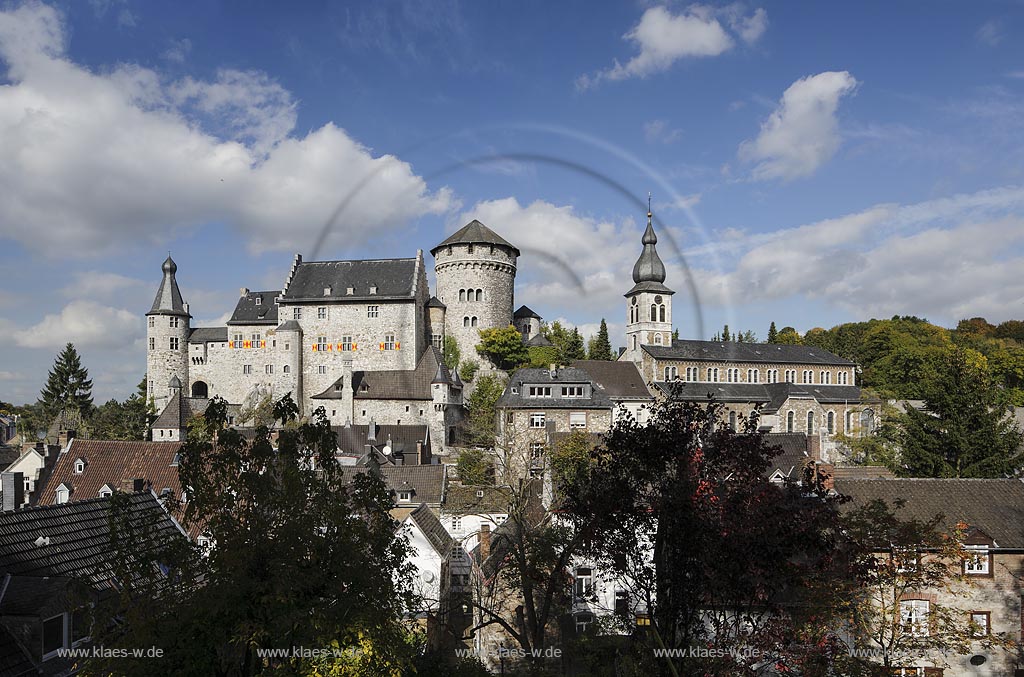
{"points": [[663, 38], [99, 285], [990, 33], [84, 323], [94, 160], [802, 133], [177, 50], [11, 376], [659, 131]]}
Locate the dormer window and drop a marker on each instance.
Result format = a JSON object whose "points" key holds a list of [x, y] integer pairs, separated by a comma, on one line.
{"points": [[177, 459], [977, 561], [63, 493], [350, 291], [373, 289], [106, 491], [79, 466], [259, 300], [405, 496], [327, 291]]}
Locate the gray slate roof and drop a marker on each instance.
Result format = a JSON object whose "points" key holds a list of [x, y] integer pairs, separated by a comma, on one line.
{"points": [[435, 302], [619, 380], [475, 232], [208, 335], [996, 506], [538, 341], [432, 528], [168, 296], [565, 376], [352, 439], [14, 662], [408, 384], [771, 395], [426, 481], [247, 312], [731, 351], [525, 311], [175, 415], [793, 454], [393, 278]]}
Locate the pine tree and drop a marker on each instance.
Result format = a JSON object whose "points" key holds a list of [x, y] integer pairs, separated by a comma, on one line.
{"points": [[574, 349], [675, 334], [725, 333], [600, 345], [68, 385], [773, 334]]}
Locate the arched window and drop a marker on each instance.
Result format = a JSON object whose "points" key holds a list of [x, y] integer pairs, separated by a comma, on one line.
{"points": [[654, 313], [867, 421], [831, 423], [465, 321], [662, 312], [462, 294], [810, 423], [847, 423], [657, 339], [790, 421], [479, 294], [287, 369], [634, 343], [732, 421], [473, 322], [200, 389]]}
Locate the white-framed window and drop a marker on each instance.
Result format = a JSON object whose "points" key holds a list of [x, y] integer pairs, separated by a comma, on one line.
{"points": [[753, 375], [830, 423], [321, 369], [537, 419], [572, 391], [152, 343], [321, 343], [346, 343], [389, 341], [269, 368], [578, 419], [54, 635], [437, 341], [914, 616], [977, 562], [732, 375], [713, 375], [404, 496], [692, 374], [671, 373], [79, 467], [321, 313], [372, 311], [825, 377], [808, 376], [105, 492], [536, 450], [791, 376], [584, 582], [236, 341], [173, 322], [246, 368], [539, 391], [255, 340], [259, 300], [457, 524], [297, 313], [657, 339], [173, 343], [981, 623]]}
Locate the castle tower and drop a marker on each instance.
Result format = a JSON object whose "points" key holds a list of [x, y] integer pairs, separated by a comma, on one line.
{"points": [[649, 302], [167, 331], [476, 273]]}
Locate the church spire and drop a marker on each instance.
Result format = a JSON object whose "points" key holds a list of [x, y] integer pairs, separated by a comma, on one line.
{"points": [[648, 267], [168, 296]]}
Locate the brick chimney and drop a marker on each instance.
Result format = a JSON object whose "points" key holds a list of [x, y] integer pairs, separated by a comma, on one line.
{"points": [[485, 542], [12, 484], [814, 447], [64, 436]]}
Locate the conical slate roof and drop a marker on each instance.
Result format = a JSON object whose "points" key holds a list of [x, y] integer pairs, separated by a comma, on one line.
{"points": [[649, 271], [475, 232], [168, 296]]}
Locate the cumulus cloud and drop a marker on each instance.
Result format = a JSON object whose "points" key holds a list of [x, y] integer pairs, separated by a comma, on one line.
{"points": [[662, 38], [84, 323], [177, 50], [93, 160], [802, 133]]}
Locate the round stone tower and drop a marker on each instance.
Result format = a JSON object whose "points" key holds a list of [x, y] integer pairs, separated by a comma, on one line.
{"points": [[476, 274], [167, 330]]}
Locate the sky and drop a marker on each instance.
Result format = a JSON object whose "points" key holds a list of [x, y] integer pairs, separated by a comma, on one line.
{"points": [[808, 163]]}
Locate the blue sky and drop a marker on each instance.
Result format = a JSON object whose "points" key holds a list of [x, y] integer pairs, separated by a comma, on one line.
{"points": [[810, 163]]}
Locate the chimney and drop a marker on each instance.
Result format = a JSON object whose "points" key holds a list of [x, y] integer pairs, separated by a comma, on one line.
{"points": [[12, 486], [64, 436], [421, 453], [553, 368], [138, 484], [243, 291], [814, 447], [485, 542]]}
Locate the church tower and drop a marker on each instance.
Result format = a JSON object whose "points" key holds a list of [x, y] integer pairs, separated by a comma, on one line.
{"points": [[649, 302], [167, 330]]}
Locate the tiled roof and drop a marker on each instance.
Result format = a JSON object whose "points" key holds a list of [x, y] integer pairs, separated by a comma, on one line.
{"points": [[564, 376], [352, 439], [14, 662], [426, 481], [994, 506], [116, 463], [466, 500], [525, 311], [247, 311], [8, 455], [863, 472], [793, 454], [208, 335], [731, 351], [619, 380], [79, 537], [408, 384], [475, 232], [432, 528], [25, 595], [393, 278]]}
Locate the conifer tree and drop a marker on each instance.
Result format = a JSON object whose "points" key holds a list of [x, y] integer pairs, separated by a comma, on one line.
{"points": [[773, 334], [725, 333], [68, 385], [600, 345], [574, 349]]}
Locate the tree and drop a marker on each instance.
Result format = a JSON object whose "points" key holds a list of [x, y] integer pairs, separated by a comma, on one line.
{"points": [[67, 385], [966, 429], [450, 353], [503, 346], [725, 333], [479, 426], [301, 558], [600, 347], [773, 334], [747, 337], [541, 357], [474, 467], [468, 370], [789, 336], [574, 349]]}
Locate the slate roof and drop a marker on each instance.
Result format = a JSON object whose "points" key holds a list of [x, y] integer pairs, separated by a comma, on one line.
{"points": [[435, 302], [730, 351], [432, 528], [393, 278], [168, 296], [208, 335], [771, 395], [863, 472], [994, 506], [248, 312], [8, 455], [464, 500], [116, 463], [475, 232], [14, 662], [793, 454], [352, 439], [406, 384], [26, 595], [175, 415], [426, 481], [619, 380], [525, 311], [565, 376], [538, 340], [79, 537]]}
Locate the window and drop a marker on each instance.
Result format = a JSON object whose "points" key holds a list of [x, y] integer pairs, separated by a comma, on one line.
{"points": [[79, 625], [584, 582], [661, 312], [256, 339], [472, 322], [436, 341], [808, 376], [479, 294], [583, 621], [671, 373], [53, 636], [791, 376], [825, 377], [246, 368], [373, 289], [62, 494], [790, 421], [867, 422], [621, 603], [847, 423], [914, 616], [536, 450], [456, 523], [572, 391], [286, 369], [269, 368], [462, 294], [105, 492], [713, 375], [732, 421], [296, 313], [539, 391], [173, 322], [470, 249], [578, 419], [236, 341], [321, 344], [732, 375], [259, 300], [692, 374], [321, 369], [152, 343], [654, 313], [537, 420], [152, 322], [404, 496], [79, 467], [389, 342], [657, 339], [810, 423], [831, 423], [465, 321], [981, 622], [346, 343], [372, 311], [173, 342], [753, 375], [321, 313], [977, 562]]}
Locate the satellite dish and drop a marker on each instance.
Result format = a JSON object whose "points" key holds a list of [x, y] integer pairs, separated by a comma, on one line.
{"points": [[387, 450]]}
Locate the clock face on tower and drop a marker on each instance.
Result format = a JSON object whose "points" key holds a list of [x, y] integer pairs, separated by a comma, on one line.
{"points": [[657, 299]]}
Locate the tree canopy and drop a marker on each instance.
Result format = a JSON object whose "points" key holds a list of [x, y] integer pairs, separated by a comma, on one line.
{"points": [[503, 346], [68, 385]]}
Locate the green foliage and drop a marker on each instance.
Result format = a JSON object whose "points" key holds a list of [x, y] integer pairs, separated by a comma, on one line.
{"points": [[67, 385], [450, 353], [570, 458], [541, 357], [773, 334], [468, 370], [258, 413], [479, 426], [128, 420], [503, 347], [474, 467], [789, 336], [725, 333], [567, 343], [600, 347]]}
